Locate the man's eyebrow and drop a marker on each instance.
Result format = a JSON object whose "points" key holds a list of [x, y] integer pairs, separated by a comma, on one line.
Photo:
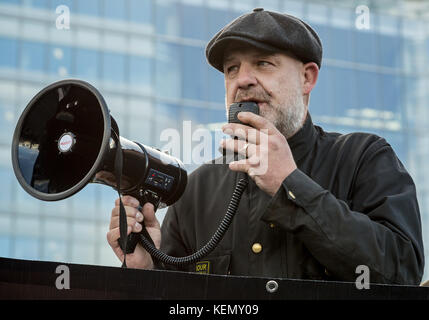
{"points": [[229, 57], [264, 54]]}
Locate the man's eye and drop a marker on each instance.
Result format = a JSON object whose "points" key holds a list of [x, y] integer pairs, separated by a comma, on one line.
{"points": [[231, 68], [263, 63]]}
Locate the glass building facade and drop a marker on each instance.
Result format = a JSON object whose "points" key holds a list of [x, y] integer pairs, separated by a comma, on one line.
{"points": [[147, 59]]}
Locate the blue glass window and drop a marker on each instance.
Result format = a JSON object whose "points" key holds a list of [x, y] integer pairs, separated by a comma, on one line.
{"points": [[294, 7], [6, 176], [33, 56], [7, 121], [366, 46], [216, 115], [83, 252], [37, 3], [168, 67], [113, 67], [198, 146], [194, 73], [411, 85], [68, 3], [217, 19], [5, 246], [341, 44], [216, 85], [54, 250], [194, 114], [85, 202], [271, 5], [88, 7], [86, 64], [390, 51], [9, 52], [26, 248], [140, 129], [26, 202], [343, 90], [140, 72], [60, 60], [391, 94], [141, 11], [114, 9], [11, 1], [168, 17], [367, 89], [167, 117], [194, 22]]}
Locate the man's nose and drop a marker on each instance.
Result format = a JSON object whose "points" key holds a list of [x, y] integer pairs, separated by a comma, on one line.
{"points": [[246, 77]]}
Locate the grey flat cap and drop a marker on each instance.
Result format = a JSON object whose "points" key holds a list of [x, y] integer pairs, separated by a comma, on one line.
{"points": [[270, 31]]}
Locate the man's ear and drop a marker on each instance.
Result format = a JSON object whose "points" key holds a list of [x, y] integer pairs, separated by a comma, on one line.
{"points": [[310, 74]]}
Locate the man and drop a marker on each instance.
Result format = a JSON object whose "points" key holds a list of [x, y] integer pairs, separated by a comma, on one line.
{"points": [[324, 204]]}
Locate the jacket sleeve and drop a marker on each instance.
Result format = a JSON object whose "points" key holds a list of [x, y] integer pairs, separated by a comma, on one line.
{"points": [[378, 227]]}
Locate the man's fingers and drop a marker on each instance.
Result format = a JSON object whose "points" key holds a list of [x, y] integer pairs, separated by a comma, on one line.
{"points": [[148, 211], [131, 223], [114, 234], [130, 211], [128, 201], [240, 146], [257, 122], [240, 165], [245, 132]]}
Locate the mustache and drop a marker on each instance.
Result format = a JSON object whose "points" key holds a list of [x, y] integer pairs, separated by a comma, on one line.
{"points": [[258, 95]]}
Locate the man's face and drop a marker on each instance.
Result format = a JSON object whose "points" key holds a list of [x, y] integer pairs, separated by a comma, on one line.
{"points": [[274, 81]]}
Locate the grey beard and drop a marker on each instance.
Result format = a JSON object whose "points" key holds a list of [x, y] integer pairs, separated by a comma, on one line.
{"points": [[288, 120]]}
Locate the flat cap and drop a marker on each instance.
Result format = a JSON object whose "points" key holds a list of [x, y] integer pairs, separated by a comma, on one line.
{"points": [[270, 31]]}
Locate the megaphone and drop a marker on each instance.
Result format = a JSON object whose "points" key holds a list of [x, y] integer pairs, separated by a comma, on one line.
{"points": [[66, 138]]}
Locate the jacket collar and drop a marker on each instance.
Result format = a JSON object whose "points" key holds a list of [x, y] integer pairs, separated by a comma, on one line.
{"points": [[303, 140]]}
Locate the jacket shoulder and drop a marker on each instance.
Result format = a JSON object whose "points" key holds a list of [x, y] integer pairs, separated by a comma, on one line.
{"points": [[354, 140]]}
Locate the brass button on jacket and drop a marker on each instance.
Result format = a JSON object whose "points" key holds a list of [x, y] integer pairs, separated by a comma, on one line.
{"points": [[256, 247]]}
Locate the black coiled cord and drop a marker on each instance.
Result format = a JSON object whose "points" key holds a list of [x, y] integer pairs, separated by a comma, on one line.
{"points": [[213, 242]]}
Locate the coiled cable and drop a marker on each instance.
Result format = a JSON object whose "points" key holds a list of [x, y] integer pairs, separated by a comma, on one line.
{"points": [[211, 244]]}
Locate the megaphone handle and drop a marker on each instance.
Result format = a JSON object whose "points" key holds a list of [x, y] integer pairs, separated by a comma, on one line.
{"points": [[134, 237]]}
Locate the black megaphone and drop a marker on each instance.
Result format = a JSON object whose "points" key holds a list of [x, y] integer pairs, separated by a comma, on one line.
{"points": [[66, 138]]}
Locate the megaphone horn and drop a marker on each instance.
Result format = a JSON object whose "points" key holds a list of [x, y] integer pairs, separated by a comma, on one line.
{"points": [[66, 138]]}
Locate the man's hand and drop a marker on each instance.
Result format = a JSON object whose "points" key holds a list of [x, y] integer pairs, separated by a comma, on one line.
{"points": [[140, 258], [269, 158]]}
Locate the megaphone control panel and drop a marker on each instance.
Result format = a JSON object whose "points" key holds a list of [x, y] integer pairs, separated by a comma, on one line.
{"points": [[160, 180]]}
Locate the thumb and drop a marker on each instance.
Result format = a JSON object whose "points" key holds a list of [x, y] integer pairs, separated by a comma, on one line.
{"points": [[148, 211]]}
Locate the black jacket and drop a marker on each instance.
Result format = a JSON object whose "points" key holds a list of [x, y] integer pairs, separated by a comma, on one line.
{"points": [[350, 202]]}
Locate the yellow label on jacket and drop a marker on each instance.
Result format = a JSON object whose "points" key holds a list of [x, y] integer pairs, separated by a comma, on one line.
{"points": [[203, 267]]}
